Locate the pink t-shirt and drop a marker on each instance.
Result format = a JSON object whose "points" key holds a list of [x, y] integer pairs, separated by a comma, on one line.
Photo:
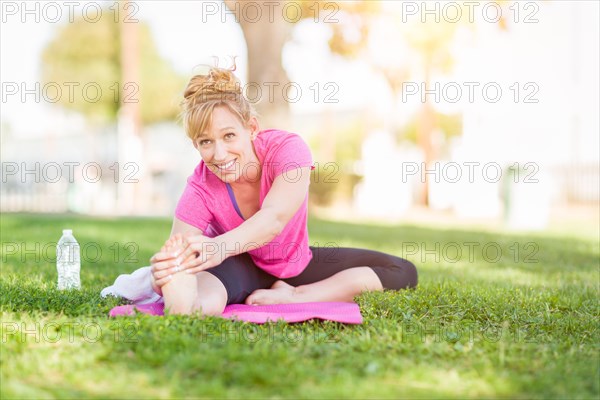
{"points": [[207, 205]]}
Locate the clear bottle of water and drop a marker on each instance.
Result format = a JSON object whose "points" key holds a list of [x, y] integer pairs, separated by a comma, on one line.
{"points": [[68, 262]]}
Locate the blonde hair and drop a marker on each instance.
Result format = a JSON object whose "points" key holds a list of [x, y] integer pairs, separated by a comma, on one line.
{"points": [[203, 93]]}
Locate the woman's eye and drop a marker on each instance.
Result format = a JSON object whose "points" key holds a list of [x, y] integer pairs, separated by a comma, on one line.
{"points": [[229, 135], [204, 142]]}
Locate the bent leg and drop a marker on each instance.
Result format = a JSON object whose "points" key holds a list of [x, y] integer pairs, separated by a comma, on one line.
{"points": [[342, 286], [240, 277], [393, 272], [340, 274], [200, 293]]}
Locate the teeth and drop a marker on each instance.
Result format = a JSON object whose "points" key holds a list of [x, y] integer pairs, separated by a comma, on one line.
{"points": [[226, 166]]}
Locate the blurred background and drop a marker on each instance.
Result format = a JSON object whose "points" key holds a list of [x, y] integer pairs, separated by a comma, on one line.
{"points": [[440, 112]]}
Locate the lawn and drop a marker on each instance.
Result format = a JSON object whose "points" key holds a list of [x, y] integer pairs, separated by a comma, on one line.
{"points": [[495, 315]]}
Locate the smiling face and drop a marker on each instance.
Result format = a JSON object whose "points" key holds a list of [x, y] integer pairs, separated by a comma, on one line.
{"points": [[226, 147]]}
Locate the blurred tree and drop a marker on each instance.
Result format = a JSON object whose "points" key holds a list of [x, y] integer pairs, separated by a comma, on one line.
{"points": [[84, 53], [352, 22], [429, 49], [431, 40], [451, 125], [117, 76], [265, 38]]}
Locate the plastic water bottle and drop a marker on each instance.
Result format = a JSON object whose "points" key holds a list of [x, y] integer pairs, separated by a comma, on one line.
{"points": [[68, 262]]}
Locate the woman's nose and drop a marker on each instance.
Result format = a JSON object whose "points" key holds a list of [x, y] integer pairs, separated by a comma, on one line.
{"points": [[220, 151]]}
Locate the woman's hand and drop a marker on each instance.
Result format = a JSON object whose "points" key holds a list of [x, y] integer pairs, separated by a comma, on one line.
{"points": [[201, 253], [166, 262]]}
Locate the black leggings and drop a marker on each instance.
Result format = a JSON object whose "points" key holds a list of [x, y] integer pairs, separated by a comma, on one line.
{"points": [[241, 276]]}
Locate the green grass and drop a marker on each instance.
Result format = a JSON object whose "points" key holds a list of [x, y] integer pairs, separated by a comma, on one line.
{"points": [[522, 325]]}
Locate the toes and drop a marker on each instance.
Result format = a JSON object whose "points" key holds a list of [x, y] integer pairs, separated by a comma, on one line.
{"points": [[178, 240], [280, 284], [174, 243], [169, 242], [250, 300]]}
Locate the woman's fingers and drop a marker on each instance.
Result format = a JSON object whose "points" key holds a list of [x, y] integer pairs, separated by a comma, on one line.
{"points": [[197, 250], [192, 260], [195, 269], [157, 288], [190, 252], [163, 255], [164, 275], [161, 275], [203, 264], [166, 265], [163, 281]]}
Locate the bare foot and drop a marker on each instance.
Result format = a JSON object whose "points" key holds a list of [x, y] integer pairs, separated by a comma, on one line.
{"points": [[173, 244], [279, 293]]}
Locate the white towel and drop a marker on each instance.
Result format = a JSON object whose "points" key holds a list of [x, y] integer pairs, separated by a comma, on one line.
{"points": [[136, 287]]}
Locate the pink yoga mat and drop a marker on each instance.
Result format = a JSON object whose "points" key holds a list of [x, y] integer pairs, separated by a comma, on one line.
{"points": [[348, 313]]}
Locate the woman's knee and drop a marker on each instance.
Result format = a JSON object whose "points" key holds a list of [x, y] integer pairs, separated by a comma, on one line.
{"points": [[191, 294], [211, 305], [397, 273], [411, 273], [208, 306]]}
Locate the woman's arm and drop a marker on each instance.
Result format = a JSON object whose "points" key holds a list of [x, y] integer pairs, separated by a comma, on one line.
{"points": [[279, 206], [184, 228]]}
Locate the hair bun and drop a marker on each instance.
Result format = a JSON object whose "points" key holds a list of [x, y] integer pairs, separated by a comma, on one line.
{"points": [[218, 82], [225, 80]]}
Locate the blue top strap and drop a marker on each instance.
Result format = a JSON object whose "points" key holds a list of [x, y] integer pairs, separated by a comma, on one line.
{"points": [[233, 201]]}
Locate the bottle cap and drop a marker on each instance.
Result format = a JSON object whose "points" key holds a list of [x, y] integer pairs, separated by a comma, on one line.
{"points": [[67, 231]]}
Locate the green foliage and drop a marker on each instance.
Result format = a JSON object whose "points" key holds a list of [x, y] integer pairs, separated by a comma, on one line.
{"points": [[449, 125], [472, 329], [161, 89], [334, 175], [321, 191], [350, 32], [85, 53]]}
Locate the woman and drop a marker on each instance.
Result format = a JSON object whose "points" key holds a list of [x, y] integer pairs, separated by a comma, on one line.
{"points": [[240, 228]]}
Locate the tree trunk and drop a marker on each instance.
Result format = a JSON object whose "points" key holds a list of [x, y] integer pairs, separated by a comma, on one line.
{"points": [[425, 130], [131, 197], [130, 63], [266, 77]]}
